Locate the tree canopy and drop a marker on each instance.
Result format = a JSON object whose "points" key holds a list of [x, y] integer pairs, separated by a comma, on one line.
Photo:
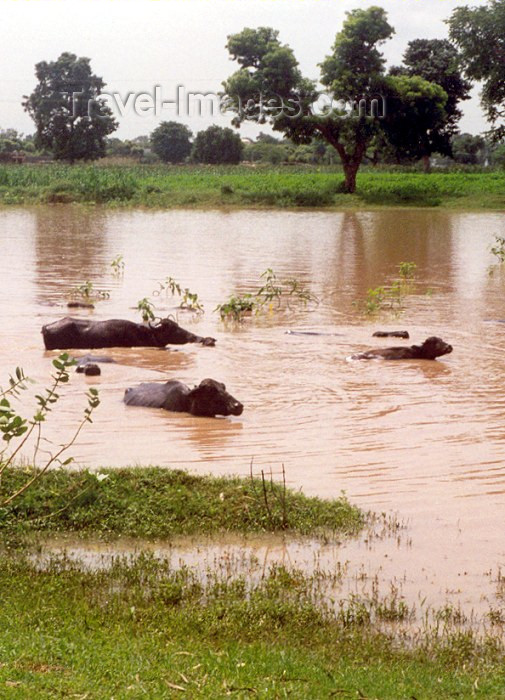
{"points": [[416, 116], [436, 61], [171, 141], [217, 145], [350, 114], [479, 32], [72, 121]]}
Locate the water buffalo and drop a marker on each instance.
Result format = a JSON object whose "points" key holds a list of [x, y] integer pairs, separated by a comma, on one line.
{"points": [[82, 333], [431, 348], [80, 305], [209, 398], [309, 333], [90, 369], [87, 364], [391, 334]]}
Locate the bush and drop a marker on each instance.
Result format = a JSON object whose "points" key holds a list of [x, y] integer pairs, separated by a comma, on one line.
{"points": [[217, 145], [171, 142]]}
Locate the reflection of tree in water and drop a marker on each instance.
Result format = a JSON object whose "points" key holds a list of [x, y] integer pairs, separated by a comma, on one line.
{"points": [[370, 245], [69, 249]]}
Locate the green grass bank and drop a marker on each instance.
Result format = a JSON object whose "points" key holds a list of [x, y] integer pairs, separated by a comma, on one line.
{"points": [[158, 186], [163, 503]]}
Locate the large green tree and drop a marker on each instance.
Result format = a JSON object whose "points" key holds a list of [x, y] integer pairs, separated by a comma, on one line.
{"points": [[217, 145], [416, 117], [72, 120], [437, 61], [479, 32], [269, 86], [171, 141]]}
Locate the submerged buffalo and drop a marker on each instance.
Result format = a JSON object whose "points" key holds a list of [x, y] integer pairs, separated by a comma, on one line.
{"points": [[80, 305], [90, 370], [87, 364], [209, 398], [391, 334], [431, 348], [81, 333]]}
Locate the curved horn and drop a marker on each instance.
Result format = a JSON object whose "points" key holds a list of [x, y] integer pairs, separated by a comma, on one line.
{"points": [[156, 323]]}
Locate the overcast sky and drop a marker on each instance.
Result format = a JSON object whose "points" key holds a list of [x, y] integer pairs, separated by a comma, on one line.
{"points": [[137, 44]]}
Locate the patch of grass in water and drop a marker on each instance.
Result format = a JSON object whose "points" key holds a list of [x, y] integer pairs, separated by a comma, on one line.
{"points": [[155, 502]]}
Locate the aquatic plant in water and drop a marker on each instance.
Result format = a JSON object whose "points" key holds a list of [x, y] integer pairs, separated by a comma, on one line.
{"points": [[146, 308], [390, 296], [273, 294], [88, 292], [118, 266], [189, 300], [498, 250]]}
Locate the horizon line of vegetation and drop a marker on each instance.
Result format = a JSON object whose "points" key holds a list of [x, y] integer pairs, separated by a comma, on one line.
{"points": [[423, 94], [174, 186]]}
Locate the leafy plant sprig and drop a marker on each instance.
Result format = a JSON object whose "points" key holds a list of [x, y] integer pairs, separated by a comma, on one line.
{"points": [[237, 307], [407, 270], [191, 302], [88, 292], [146, 308], [498, 250], [17, 383], [13, 426], [272, 291], [189, 299], [390, 296], [168, 284], [118, 266]]}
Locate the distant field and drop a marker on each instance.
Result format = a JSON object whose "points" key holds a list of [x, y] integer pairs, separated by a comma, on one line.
{"points": [[161, 186]]}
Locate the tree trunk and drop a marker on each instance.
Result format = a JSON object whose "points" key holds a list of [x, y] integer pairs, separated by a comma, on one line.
{"points": [[350, 161], [350, 172], [426, 164]]}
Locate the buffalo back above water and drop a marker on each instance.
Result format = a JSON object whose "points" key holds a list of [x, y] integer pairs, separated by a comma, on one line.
{"points": [[70, 333], [431, 348], [209, 398]]}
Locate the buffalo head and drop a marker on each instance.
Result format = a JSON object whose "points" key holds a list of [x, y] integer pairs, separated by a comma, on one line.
{"points": [[210, 398], [166, 332], [434, 347]]}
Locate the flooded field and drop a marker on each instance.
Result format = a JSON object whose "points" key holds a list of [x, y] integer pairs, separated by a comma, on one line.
{"points": [[423, 439]]}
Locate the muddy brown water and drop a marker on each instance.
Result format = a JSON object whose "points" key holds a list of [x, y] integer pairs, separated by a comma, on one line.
{"points": [[423, 439]]}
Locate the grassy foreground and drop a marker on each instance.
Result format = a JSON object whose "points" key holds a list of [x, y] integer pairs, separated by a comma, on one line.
{"points": [[140, 629], [241, 186], [155, 502]]}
